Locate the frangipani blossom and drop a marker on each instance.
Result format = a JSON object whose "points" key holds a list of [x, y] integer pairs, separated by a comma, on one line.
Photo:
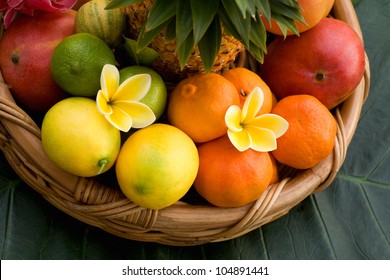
{"points": [[12, 7], [247, 130], [119, 103]]}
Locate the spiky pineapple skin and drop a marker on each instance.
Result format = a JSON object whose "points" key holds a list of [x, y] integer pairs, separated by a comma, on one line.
{"points": [[167, 65]]}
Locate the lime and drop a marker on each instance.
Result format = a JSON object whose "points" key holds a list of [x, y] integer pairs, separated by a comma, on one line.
{"points": [[78, 139], [156, 98], [77, 62], [157, 166]]}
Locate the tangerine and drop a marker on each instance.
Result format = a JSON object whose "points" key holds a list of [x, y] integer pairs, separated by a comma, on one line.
{"points": [[197, 105], [245, 81], [275, 174], [230, 178], [311, 134], [312, 12]]}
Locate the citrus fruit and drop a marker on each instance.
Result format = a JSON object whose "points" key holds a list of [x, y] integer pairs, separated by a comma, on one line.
{"points": [[275, 174], [312, 12], [156, 98], [108, 25], [311, 133], [230, 178], [77, 63], [78, 139], [198, 104], [157, 166], [245, 81]]}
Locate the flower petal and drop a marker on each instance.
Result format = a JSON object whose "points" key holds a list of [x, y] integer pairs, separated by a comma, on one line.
{"points": [[233, 118], [263, 140], [103, 104], [14, 4], [109, 81], [134, 88], [120, 119], [252, 104], [241, 140], [140, 113], [9, 16], [50, 5], [272, 122]]}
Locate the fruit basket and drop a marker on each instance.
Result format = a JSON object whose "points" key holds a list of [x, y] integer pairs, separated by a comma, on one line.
{"points": [[183, 223]]}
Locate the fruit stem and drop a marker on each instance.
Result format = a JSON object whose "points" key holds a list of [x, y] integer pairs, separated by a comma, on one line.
{"points": [[15, 58], [320, 76], [102, 163]]}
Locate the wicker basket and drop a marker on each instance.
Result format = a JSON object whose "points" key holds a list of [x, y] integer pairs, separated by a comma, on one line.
{"points": [[182, 224]]}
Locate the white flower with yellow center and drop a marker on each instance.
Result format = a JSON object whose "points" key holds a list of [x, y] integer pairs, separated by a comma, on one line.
{"points": [[120, 103], [247, 130]]}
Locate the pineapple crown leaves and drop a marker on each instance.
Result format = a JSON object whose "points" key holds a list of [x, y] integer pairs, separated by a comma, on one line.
{"points": [[201, 22]]}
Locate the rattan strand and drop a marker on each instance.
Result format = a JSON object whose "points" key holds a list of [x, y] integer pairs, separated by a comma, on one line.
{"points": [[181, 224]]}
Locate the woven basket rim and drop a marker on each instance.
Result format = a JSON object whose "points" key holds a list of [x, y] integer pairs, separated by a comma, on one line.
{"points": [[181, 224]]}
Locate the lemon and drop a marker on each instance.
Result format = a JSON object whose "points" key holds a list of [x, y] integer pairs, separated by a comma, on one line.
{"points": [[77, 62], [156, 98], [78, 139], [157, 166]]}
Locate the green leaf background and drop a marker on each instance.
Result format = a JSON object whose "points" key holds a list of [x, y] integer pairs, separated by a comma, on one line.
{"points": [[348, 220]]}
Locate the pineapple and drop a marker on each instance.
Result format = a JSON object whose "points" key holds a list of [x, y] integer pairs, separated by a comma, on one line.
{"points": [[168, 64], [193, 36]]}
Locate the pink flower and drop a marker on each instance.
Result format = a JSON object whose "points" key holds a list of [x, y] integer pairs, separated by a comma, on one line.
{"points": [[10, 8]]}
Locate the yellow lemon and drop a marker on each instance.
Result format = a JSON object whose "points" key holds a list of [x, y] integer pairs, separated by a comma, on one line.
{"points": [[157, 166], [78, 139]]}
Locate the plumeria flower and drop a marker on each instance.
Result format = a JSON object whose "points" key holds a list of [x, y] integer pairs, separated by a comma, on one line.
{"points": [[12, 7], [119, 103], [247, 130]]}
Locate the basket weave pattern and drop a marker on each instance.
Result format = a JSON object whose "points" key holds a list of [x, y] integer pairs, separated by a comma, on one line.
{"points": [[183, 224]]}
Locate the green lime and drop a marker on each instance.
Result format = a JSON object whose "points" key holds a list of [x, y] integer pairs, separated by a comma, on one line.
{"points": [[77, 62], [156, 98], [78, 139]]}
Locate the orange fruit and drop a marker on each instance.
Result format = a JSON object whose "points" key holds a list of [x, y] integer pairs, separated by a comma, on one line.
{"points": [[245, 81], [197, 105], [274, 100], [311, 133], [312, 12], [275, 173], [229, 178]]}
